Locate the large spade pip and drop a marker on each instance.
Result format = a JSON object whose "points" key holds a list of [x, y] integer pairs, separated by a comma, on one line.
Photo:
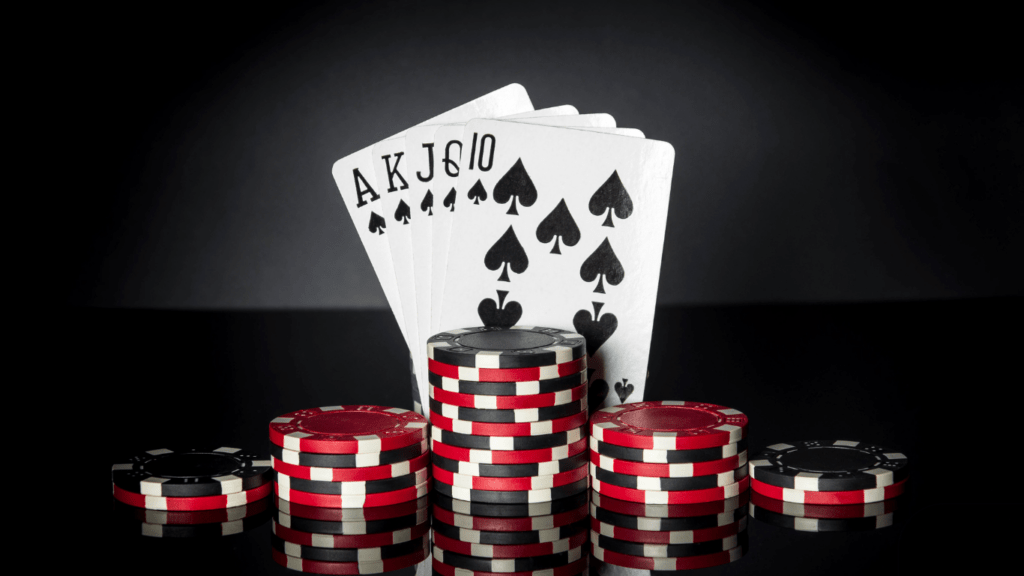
{"points": [[515, 185], [604, 265], [507, 253]]}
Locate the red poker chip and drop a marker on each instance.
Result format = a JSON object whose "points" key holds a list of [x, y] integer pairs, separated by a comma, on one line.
{"points": [[498, 524], [681, 563], [350, 540], [570, 569], [541, 428], [508, 456], [483, 402], [353, 514], [825, 511], [191, 504], [830, 498], [367, 567], [671, 497], [651, 469], [348, 429], [355, 500], [668, 537], [670, 511], [507, 374], [511, 550], [385, 472], [525, 483], [668, 425]]}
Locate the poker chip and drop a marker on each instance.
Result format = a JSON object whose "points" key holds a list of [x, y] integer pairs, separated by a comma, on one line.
{"points": [[688, 470], [679, 563], [517, 429], [843, 497], [508, 456], [511, 496], [197, 503], [515, 347], [353, 488], [353, 500], [826, 511], [673, 497], [670, 510], [507, 442], [669, 536], [348, 429], [505, 565], [829, 466], [375, 540], [191, 473], [664, 550], [468, 508], [681, 524], [802, 524], [207, 530], [346, 568], [349, 554], [353, 527], [511, 550], [510, 470], [353, 474], [483, 402], [653, 456], [366, 460], [497, 524], [506, 538], [668, 425], [353, 514], [548, 372], [572, 569], [218, 516], [519, 388], [667, 484], [523, 483], [508, 416]]}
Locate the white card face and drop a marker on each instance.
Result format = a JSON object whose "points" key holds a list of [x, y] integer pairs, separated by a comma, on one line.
{"points": [[567, 231], [357, 182]]}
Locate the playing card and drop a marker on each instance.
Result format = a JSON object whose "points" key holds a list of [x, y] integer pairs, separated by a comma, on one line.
{"points": [[357, 182], [563, 228]]}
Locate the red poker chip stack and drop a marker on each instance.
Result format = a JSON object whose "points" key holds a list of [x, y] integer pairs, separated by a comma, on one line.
{"points": [[669, 485], [508, 409], [352, 486]]}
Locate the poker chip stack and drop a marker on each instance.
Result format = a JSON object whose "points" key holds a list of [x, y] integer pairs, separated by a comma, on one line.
{"points": [[508, 408], [828, 485], [352, 486], [191, 493], [669, 484]]}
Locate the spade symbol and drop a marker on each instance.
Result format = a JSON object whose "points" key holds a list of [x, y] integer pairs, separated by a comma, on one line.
{"points": [[377, 223], [428, 203], [597, 332], [515, 184], [623, 389], [500, 314], [560, 226], [477, 193], [507, 253], [402, 214], [605, 264], [449, 200], [611, 197]]}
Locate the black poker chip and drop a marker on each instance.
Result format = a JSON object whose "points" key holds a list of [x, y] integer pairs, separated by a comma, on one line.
{"points": [[528, 564], [363, 460], [510, 470], [668, 484], [665, 550], [667, 524], [353, 488], [348, 554], [467, 508], [474, 442], [509, 416], [515, 347], [190, 473], [667, 456], [209, 530], [512, 496], [805, 524], [508, 388], [509, 538], [352, 527], [829, 466]]}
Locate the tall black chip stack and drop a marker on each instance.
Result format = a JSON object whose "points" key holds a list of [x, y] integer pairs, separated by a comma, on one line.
{"points": [[508, 408]]}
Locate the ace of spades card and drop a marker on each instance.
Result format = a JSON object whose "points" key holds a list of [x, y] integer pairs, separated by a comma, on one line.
{"points": [[570, 236]]}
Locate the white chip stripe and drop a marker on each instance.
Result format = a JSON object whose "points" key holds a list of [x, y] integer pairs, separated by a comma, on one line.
{"points": [[289, 456], [654, 483], [660, 456], [534, 509], [662, 496], [538, 482], [509, 564], [507, 443], [355, 488]]}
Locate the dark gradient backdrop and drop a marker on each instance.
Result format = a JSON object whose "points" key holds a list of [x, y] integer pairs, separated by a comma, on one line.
{"points": [[863, 154]]}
